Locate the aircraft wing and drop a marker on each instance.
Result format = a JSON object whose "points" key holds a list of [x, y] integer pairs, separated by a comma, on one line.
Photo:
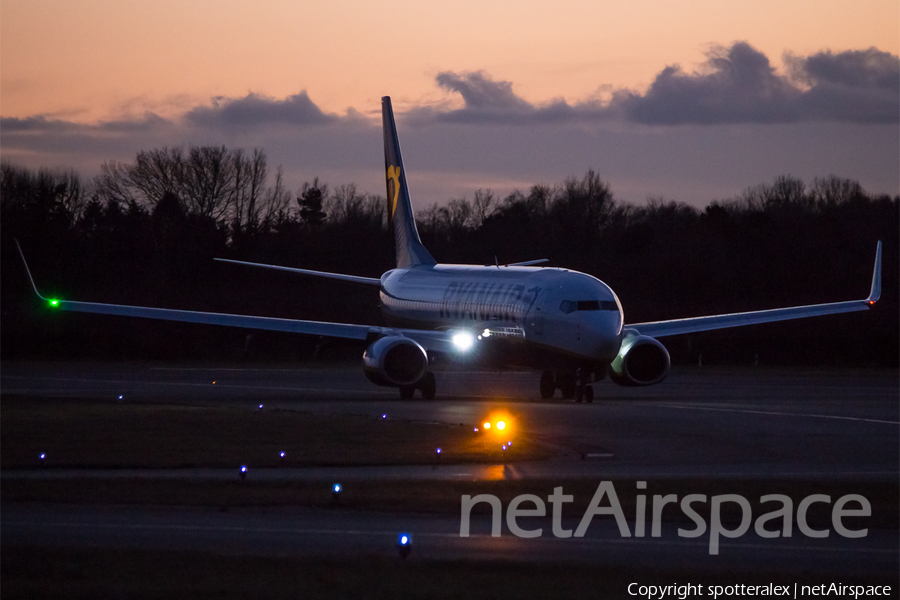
{"points": [[438, 341], [679, 326]]}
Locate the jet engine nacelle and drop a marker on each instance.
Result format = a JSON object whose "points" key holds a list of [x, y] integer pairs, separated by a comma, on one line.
{"points": [[395, 361], [642, 360]]}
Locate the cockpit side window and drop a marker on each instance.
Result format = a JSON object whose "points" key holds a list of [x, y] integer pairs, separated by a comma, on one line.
{"points": [[570, 306]]}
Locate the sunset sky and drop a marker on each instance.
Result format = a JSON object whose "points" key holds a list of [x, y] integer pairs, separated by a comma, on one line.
{"points": [[690, 101]]}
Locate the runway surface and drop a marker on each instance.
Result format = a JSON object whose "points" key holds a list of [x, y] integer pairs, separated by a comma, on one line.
{"points": [[324, 532], [701, 424]]}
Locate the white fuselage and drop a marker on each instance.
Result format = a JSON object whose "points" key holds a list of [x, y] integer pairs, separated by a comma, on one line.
{"points": [[561, 312]]}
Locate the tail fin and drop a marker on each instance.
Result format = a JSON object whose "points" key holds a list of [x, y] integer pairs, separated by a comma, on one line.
{"points": [[410, 251]]}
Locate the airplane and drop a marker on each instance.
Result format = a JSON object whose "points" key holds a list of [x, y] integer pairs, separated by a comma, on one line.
{"points": [[567, 324]]}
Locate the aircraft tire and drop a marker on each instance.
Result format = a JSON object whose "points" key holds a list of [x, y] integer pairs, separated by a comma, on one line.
{"points": [[588, 394], [548, 385], [428, 387]]}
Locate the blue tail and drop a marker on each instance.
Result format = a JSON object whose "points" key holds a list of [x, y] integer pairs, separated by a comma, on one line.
{"points": [[410, 251]]}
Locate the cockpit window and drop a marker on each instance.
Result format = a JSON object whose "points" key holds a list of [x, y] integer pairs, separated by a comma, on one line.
{"points": [[570, 306]]}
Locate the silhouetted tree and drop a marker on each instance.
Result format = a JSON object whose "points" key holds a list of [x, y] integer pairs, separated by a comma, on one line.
{"points": [[311, 202], [213, 182], [776, 244], [53, 196]]}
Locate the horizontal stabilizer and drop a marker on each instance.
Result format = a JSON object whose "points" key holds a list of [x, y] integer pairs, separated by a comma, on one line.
{"points": [[341, 276], [528, 262]]}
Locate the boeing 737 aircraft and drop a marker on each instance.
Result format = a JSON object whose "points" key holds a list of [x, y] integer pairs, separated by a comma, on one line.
{"points": [[568, 324]]}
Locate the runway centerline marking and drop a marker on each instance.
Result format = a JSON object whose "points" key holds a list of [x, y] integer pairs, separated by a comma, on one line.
{"points": [[768, 412]]}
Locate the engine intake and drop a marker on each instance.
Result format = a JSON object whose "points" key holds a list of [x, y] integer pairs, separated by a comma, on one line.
{"points": [[642, 360], [395, 361]]}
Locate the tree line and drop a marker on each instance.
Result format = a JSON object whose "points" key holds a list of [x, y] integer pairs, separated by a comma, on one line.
{"points": [[146, 232]]}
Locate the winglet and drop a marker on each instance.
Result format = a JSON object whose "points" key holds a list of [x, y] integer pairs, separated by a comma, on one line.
{"points": [[875, 292], [28, 271]]}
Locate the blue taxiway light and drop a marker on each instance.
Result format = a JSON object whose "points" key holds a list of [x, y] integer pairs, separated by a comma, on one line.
{"points": [[404, 544]]}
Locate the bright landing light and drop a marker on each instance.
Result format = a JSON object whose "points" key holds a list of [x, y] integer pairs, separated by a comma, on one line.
{"points": [[463, 341]]}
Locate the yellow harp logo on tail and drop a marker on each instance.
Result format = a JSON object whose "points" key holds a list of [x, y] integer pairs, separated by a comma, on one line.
{"points": [[393, 177]]}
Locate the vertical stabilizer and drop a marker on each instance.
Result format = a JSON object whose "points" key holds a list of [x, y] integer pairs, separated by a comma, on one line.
{"points": [[410, 251]]}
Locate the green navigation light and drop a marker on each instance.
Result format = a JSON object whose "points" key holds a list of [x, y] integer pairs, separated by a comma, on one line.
{"points": [[54, 303]]}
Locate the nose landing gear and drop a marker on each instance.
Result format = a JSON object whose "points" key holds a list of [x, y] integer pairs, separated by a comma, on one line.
{"points": [[584, 392], [575, 385]]}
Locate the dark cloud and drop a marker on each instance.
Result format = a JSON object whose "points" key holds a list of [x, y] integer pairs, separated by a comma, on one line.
{"points": [[487, 100], [42, 125], [149, 122], [737, 84], [819, 105], [254, 109], [11, 125], [870, 68], [480, 92], [858, 85]]}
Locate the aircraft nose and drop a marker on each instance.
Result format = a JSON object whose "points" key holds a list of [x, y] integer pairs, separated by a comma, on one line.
{"points": [[606, 328]]}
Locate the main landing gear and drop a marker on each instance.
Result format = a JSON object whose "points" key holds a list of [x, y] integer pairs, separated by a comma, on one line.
{"points": [[426, 386], [572, 384]]}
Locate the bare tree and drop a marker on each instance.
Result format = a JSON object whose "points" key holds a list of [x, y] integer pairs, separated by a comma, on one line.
{"points": [[60, 192], [584, 204], [225, 185], [157, 172], [482, 207], [113, 184], [784, 192], [833, 190], [457, 216], [277, 200]]}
